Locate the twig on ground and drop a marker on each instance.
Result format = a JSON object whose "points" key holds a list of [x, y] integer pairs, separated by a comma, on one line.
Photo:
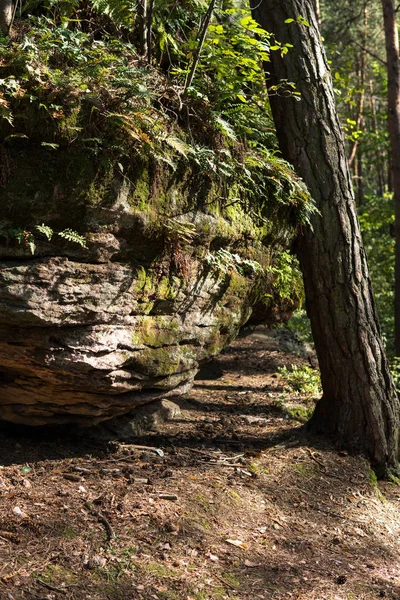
{"points": [[109, 530], [51, 587], [138, 447], [225, 582], [319, 462]]}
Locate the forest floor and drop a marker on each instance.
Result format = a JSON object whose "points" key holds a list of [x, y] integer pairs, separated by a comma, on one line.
{"points": [[231, 500]]}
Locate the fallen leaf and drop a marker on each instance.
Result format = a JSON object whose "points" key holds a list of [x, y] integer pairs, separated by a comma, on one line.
{"points": [[251, 565], [237, 543]]}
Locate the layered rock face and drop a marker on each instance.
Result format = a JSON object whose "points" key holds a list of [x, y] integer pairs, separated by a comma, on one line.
{"points": [[83, 341], [87, 334]]}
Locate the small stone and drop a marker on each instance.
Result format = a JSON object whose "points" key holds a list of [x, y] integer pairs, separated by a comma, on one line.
{"points": [[172, 497], [71, 477], [19, 513], [140, 480]]}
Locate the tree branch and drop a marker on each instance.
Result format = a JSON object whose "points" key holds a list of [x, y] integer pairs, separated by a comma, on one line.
{"points": [[203, 34], [383, 62]]}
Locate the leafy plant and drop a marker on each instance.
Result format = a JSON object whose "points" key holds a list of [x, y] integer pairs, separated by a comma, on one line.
{"points": [[377, 219], [301, 379], [300, 325], [73, 236], [27, 239], [288, 280], [225, 261]]}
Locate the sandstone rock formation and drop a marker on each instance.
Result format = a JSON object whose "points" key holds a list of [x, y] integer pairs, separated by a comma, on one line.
{"points": [[164, 284]]}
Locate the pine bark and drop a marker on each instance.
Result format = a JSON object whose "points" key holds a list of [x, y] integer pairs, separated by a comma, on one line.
{"points": [[359, 405], [393, 70], [6, 12]]}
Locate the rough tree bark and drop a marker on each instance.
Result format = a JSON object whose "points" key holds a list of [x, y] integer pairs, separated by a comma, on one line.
{"points": [[359, 404], [393, 71], [142, 20], [6, 12], [317, 12]]}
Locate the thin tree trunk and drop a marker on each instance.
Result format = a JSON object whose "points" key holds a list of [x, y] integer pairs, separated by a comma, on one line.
{"points": [[393, 70], [389, 172], [6, 14], [360, 182], [359, 404], [149, 29], [361, 82], [379, 165], [142, 19], [200, 44]]}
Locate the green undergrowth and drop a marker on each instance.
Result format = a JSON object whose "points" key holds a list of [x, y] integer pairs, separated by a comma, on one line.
{"points": [[301, 380], [302, 387], [65, 92], [376, 220]]}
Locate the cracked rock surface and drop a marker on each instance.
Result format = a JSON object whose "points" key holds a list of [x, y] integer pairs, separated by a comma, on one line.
{"points": [[90, 333]]}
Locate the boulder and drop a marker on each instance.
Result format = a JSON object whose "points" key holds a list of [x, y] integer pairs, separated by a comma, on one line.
{"points": [[164, 283]]}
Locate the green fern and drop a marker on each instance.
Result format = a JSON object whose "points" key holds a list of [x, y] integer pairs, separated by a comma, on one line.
{"points": [[73, 236], [45, 230]]}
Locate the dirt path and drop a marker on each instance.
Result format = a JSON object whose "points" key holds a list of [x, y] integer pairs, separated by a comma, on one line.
{"points": [[230, 500]]}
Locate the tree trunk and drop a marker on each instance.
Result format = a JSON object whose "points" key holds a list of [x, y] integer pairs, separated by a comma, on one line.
{"points": [[360, 182], [360, 108], [393, 70], [317, 12], [142, 20], [379, 161], [6, 12], [359, 404]]}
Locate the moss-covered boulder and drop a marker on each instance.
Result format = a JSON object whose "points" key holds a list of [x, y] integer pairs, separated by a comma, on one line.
{"points": [[137, 228], [165, 281]]}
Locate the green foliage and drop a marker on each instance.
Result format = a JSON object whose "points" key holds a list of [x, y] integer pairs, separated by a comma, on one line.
{"points": [[376, 219], [79, 87], [225, 261], [288, 280], [72, 78], [233, 39], [177, 231], [302, 379], [395, 370], [299, 412], [73, 236], [300, 325], [27, 239], [45, 230], [21, 236]]}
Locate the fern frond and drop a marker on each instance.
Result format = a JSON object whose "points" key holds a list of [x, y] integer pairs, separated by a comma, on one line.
{"points": [[73, 236], [179, 145], [46, 230]]}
